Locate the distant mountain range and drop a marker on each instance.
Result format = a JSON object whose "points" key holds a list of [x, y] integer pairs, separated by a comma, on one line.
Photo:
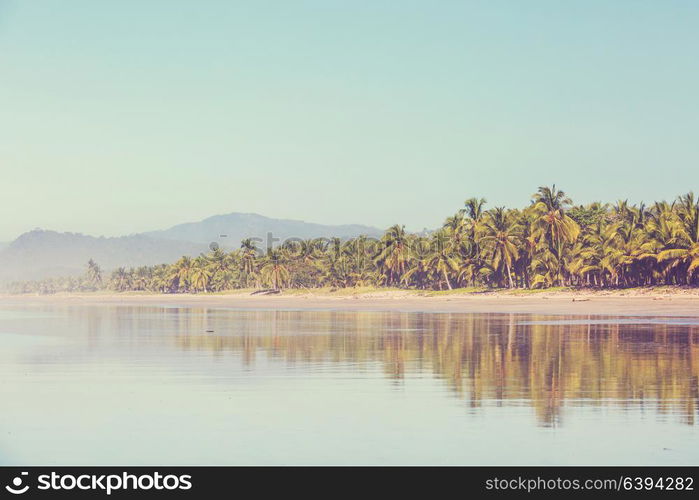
{"points": [[41, 253], [231, 229]]}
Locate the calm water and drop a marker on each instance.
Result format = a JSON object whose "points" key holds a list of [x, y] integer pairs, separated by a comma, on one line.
{"points": [[150, 385]]}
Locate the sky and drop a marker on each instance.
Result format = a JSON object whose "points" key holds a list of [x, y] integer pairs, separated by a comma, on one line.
{"points": [[127, 116]]}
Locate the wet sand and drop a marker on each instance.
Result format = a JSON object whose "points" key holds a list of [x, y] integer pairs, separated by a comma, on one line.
{"points": [[683, 303]]}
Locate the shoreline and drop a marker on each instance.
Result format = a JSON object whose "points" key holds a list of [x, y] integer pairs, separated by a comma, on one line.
{"points": [[634, 302]]}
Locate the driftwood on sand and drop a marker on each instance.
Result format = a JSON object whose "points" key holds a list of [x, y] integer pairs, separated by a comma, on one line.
{"points": [[266, 291]]}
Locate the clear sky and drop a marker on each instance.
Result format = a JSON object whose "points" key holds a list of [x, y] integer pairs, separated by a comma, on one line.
{"points": [[124, 116]]}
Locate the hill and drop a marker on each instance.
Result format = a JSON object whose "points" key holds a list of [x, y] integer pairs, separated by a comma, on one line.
{"points": [[229, 229], [40, 253]]}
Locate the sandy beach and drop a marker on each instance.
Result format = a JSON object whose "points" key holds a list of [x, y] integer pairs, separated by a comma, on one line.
{"points": [[637, 302]]}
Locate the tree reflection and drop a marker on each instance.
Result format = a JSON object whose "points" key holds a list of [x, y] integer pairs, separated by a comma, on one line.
{"points": [[484, 358]]}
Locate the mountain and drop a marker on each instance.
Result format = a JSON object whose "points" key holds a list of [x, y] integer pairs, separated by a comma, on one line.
{"points": [[228, 230], [40, 253]]}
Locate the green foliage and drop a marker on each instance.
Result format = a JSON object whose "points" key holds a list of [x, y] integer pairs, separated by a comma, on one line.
{"points": [[587, 216], [548, 244]]}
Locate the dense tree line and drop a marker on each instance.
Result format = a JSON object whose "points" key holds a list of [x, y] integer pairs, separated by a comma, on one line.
{"points": [[549, 243]]}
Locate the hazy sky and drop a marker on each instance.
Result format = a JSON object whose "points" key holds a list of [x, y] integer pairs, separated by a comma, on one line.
{"points": [[124, 116]]}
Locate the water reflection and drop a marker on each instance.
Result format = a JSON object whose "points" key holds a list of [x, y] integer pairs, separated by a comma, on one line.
{"points": [[547, 363], [486, 357]]}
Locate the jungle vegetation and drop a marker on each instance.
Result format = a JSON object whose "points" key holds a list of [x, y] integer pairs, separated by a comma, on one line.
{"points": [[549, 243]]}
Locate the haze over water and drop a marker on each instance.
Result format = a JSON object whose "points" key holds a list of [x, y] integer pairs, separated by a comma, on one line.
{"points": [[154, 385]]}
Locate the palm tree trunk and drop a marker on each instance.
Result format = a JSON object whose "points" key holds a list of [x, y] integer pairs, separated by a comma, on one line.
{"points": [[527, 282], [509, 274], [446, 278]]}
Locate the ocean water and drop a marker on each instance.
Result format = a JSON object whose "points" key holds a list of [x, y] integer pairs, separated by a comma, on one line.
{"points": [[90, 385]]}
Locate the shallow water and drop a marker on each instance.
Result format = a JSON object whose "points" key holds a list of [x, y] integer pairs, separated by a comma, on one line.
{"points": [[169, 385]]}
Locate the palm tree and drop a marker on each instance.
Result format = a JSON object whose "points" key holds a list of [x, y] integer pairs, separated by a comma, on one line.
{"points": [[94, 274], [684, 253], [248, 260], [274, 271], [599, 254], [200, 274], [120, 280], [163, 279], [142, 277], [457, 229], [501, 235], [473, 207], [182, 271], [442, 260], [223, 280], [419, 272], [394, 255], [218, 260], [528, 245], [358, 252], [556, 227]]}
